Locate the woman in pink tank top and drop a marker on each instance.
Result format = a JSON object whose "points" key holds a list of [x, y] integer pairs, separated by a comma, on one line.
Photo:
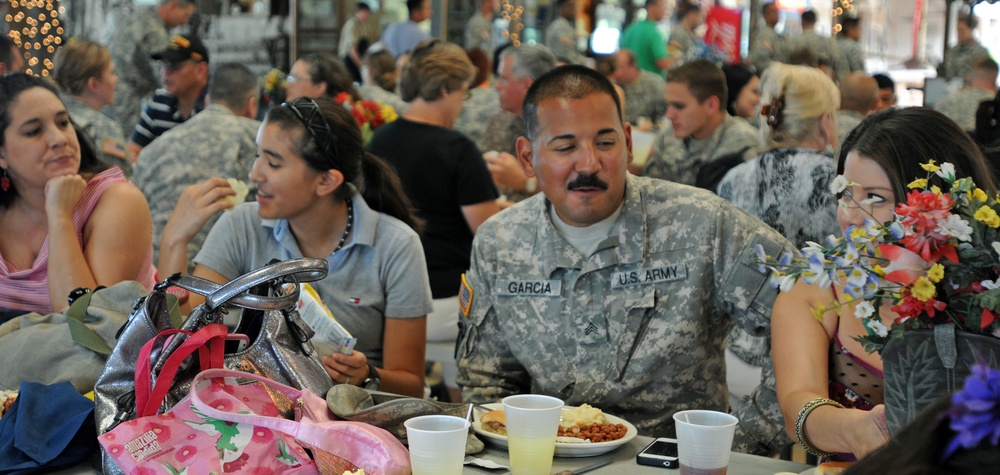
{"points": [[66, 220]]}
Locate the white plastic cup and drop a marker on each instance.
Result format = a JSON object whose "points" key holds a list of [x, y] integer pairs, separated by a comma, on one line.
{"points": [[437, 444], [704, 441], [642, 145], [532, 425]]}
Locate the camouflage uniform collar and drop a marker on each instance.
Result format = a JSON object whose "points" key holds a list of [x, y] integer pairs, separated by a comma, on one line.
{"points": [[626, 244]]}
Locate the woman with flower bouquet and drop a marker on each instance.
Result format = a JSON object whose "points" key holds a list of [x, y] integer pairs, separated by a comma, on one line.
{"points": [[880, 277]]}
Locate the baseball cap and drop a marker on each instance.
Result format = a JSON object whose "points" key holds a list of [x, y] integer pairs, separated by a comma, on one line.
{"points": [[183, 48]]}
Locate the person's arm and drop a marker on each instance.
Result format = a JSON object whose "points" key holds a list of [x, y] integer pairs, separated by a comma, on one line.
{"points": [[196, 206], [507, 172], [402, 370], [800, 354], [117, 237], [477, 214], [132, 151]]}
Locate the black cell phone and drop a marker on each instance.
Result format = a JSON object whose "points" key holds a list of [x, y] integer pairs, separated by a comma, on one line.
{"points": [[661, 452]]}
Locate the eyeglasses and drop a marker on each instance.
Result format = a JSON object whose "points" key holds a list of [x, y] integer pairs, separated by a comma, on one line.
{"points": [[292, 79], [309, 112]]}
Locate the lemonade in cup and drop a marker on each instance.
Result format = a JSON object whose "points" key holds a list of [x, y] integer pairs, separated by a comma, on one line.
{"points": [[532, 425]]}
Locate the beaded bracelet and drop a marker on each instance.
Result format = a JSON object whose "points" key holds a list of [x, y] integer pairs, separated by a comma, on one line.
{"points": [[800, 423]]}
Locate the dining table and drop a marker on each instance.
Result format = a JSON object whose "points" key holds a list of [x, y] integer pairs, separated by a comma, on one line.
{"points": [[623, 462]]}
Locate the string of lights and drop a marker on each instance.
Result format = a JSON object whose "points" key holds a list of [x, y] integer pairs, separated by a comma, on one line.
{"points": [[513, 12], [35, 29], [846, 8]]}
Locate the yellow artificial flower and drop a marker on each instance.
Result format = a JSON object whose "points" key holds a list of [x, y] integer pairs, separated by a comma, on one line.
{"points": [[987, 216], [935, 273], [935, 189], [818, 311], [930, 166], [859, 233], [923, 289], [979, 195], [878, 270], [918, 183]]}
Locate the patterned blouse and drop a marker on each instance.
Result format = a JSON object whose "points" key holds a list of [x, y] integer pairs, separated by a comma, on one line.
{"points": [[789, 189]]}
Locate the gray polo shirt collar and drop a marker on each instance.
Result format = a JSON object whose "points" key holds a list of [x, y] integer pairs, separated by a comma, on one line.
{"points": [[365, 223]]}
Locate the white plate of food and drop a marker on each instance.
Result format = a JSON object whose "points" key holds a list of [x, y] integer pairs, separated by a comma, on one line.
{"points": [[565, 446]]}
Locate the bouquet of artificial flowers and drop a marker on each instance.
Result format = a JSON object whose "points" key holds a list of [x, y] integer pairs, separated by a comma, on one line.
{"points": [[369, 115], [937, 261]]}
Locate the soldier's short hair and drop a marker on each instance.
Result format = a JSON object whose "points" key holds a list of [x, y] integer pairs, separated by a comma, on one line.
{"points": [[969, 19], [809, 17], [703, 78], [185, 3], [415, 5], [7, 50], [569, 82], [530, 60], [984, 68], [233, 84], [435, 67]]}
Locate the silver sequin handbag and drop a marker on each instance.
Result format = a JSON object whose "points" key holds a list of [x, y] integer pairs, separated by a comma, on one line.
{"points": [[279, 347]]}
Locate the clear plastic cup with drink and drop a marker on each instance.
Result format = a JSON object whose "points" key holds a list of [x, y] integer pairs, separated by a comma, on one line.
{"points": [[532, 425]]}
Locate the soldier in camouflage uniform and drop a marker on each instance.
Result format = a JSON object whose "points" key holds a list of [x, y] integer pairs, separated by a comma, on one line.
{"points": [[518, 69], [858, 98], [560, 35], [961, 106], [849, 43], [768, 45], [86, 76], [826, 49], [132, 44], [643, 89], [479, 28], [958, 60], [699, 130], [610, 289], [476, 113], [217, 142]]}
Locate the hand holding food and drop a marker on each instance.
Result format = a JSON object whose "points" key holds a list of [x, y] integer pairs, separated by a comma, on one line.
{"points": [[7, 399]]}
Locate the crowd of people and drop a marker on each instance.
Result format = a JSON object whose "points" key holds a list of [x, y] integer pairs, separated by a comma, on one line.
{"points": [[501, 212]]}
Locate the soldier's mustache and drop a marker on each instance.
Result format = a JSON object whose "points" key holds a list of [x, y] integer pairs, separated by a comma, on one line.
{"points": [[587, 181]]}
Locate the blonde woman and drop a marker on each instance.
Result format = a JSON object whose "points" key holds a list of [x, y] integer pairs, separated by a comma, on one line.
{"points": [[788, 185], [85, 74], [443, 173]]}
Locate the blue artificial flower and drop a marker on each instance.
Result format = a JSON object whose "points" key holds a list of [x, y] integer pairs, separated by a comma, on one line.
{"points": [[975, 411]]}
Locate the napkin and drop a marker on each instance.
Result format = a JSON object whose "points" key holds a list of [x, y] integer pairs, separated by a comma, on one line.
{"points": [[48, 426]]}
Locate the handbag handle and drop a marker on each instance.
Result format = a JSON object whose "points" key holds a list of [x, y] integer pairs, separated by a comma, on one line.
{"points": [[208, 341], [303, 269], [279, 424]]}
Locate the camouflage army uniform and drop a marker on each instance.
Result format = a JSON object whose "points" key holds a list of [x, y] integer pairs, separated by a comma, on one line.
{"points": [[501, 135], [846, 122], [479, 33], [215, 142], [962, 106], [106, 135], [680, 160], [476, 113], [373, 92], [852, 53], [638, 329], [825, 48], [644, 98], [681, 41], [132, 44], [768, 46], [560, 37], [958, 60]]}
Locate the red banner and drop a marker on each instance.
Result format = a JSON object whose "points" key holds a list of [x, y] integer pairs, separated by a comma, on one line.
{"points": [[724, 31]]}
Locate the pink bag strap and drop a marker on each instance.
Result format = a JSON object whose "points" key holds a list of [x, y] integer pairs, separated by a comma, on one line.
{"points": [[211, 338], [277, 423]]}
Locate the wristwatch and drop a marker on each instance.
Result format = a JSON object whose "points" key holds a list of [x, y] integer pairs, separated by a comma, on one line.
{"points": [[373, 381]]}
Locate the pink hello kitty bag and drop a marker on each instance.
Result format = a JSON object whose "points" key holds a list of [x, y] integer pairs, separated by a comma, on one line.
{"points": [[184, 440]]}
